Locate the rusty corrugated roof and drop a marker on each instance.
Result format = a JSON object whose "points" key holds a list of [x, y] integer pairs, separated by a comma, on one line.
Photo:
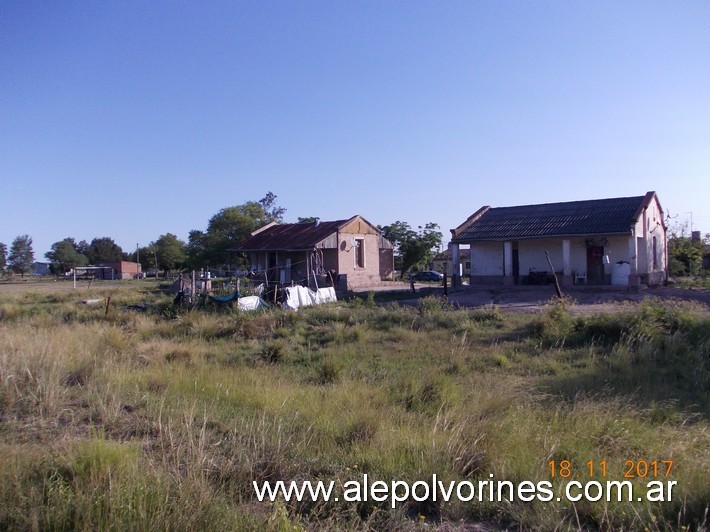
{"points": [[590, 217], [290, 237]]}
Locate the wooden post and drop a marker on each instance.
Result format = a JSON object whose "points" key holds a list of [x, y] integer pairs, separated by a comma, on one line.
{"points": [[108, 304], [446, 286], [554, 276]]}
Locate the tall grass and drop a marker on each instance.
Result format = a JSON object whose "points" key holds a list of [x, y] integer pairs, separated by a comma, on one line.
{"points": [[154, 419]]}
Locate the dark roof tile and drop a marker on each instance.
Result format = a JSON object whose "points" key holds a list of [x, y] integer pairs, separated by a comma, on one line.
{"points": [[604, 216]]}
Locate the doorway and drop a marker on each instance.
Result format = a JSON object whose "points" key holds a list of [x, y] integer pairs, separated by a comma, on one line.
{"points": [[595, 264]]}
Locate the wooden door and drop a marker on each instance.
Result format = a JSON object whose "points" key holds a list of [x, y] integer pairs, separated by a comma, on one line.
{"points": [[595, 264]]}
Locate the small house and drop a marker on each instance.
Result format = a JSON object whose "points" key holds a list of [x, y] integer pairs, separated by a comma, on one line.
{"points": [[442, 262], [620, 241], [345, 253], [119, 270], [40, 268]]}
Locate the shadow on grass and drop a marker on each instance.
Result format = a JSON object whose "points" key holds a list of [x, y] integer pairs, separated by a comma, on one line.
{"points": [[662, 390]]}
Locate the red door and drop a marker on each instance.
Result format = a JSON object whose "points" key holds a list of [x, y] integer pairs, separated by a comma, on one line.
{"points": [[595, 264]]}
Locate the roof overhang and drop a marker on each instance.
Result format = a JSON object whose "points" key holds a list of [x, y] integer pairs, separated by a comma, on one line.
{"points": [[543, 237]]}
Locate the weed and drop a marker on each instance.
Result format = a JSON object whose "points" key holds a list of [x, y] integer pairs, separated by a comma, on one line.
{"points": [[329, 371]]}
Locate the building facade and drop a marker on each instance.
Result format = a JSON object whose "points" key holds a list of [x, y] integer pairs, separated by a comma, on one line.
{"points": [[345, 253], [619, 241]]}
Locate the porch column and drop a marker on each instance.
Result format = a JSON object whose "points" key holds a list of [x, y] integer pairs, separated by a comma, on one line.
{"points": [[566, 263], [287, 272], [508, 263], [454, 267], [633, 261]]}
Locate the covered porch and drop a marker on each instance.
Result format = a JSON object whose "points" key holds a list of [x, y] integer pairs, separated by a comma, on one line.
{"points": [[593, 260]]}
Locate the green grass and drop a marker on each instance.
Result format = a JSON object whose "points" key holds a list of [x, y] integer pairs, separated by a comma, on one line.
{"points": [[137, 420]]}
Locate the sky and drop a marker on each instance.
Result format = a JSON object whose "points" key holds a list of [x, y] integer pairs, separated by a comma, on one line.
{"points": [[133, 119]]}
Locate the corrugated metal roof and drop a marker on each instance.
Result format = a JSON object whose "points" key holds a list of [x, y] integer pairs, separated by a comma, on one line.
{"points": [[590, 217], [290, 237]]}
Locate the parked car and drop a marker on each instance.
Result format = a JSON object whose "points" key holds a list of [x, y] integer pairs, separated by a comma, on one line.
{"points": [[427, 276]]}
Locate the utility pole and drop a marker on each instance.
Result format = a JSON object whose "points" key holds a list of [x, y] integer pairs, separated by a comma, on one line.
{"points": [[691, 221]]}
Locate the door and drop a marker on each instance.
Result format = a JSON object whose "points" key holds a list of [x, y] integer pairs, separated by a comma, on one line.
{"points": [[516, 264], [595, 264]]}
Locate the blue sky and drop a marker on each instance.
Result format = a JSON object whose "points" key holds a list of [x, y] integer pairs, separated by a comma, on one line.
{"points": [[134, 119]]}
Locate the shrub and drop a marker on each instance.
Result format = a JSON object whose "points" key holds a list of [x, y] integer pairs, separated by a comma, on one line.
{"points": [[556, 323], [273, 352], [329, 372]]}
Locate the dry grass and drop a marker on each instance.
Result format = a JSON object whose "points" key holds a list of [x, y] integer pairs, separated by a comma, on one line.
{"points": [[147, 420]]}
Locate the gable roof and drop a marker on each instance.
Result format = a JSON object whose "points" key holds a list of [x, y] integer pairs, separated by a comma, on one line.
{"points": [[574, 218], [298, 236]]}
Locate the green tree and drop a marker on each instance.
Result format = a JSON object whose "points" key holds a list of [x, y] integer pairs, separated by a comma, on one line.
{"points": [[170, 252], [21, 255], [104, 249], [146, 257], [64, 256], [227, 228], [412, 248], [307, 219], [82, 247], [271, 209], [3, 257], [685, 256]]}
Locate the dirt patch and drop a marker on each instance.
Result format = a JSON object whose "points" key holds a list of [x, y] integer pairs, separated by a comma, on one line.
{"points": [[588, 300]]}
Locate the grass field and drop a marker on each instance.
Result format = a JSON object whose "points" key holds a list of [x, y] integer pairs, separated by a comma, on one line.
{"points": [[162, 419]]}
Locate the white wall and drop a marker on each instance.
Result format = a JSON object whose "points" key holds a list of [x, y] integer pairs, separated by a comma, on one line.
{"points": [[531, 254], [487, 258], [650, 224], [617, 249]]}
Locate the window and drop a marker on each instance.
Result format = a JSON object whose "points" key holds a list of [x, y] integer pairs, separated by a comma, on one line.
{"points": [[359, 253], [655, 254]]}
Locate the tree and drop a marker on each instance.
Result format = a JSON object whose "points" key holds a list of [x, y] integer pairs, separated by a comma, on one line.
{"points": [[3, 257], [308, 219], [169, 251], [21, 255], [412, 248], [272, 211], [228, 228], [82, 247], [685, 255], [104, 249], [64, 256], [146, 257]]}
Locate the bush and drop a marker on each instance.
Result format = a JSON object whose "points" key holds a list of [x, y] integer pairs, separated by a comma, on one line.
{"points": [[556, 323]]}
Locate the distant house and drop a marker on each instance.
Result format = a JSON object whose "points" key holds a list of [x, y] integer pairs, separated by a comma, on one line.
{"points": [[343, 252], [119, 270], [40, 268], [607, 241], [442, 262]]}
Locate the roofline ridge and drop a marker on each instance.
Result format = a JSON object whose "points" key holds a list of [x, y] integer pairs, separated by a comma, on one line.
{"points": [[470, 220], [570, 202]]}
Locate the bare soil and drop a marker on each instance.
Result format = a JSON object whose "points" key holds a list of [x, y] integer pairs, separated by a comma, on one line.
{"points": [[587, 300]]}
